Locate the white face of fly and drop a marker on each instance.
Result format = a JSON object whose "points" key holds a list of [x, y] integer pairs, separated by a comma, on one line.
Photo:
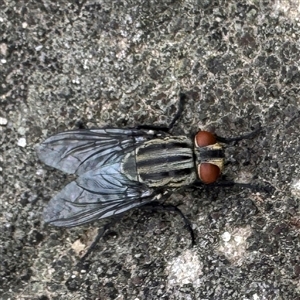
{"points": [[209, 157]]}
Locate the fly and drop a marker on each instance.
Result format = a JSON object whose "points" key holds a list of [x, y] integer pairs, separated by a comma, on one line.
{"points": [[121, 169]]}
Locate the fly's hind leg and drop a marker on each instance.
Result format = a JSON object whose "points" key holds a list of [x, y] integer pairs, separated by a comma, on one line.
{"points": [[72, 282], [239, 138], [92, 247], [182, 98], [171, 208]]}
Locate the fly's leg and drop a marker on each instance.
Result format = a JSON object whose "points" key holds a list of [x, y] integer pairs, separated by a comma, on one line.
{"points": [[80, 125], [92, 247], [239, 138], [254, 187], [171, 208], [72, 282], [182, 98], [293, 119]]}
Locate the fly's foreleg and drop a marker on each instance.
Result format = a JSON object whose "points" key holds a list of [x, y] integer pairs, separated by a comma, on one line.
{"points": [[224, 183], [171, 208], [239, 138], [182, 98]]}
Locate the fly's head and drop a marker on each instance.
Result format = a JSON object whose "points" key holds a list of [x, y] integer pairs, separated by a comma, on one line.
{"points": [[209, 156]]}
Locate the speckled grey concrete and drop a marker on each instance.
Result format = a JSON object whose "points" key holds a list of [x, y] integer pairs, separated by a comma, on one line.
{"points": [[124, 63]]}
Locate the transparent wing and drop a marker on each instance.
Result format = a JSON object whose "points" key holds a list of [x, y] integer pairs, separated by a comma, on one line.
{"points": [[78, 151], [97, 194], [101, 190]]}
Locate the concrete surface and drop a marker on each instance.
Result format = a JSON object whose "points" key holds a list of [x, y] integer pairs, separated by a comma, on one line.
{"points": [[124, 63]]}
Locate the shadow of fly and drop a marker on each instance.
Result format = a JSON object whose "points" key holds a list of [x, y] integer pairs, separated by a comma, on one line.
{"points": [[121, 169]]}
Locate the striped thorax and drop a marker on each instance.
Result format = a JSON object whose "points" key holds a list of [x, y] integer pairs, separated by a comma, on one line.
{"points": [[174, 161]]}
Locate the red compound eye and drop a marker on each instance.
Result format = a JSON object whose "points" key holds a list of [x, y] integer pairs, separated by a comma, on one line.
{"points": [[204, 138], [208, 173]]}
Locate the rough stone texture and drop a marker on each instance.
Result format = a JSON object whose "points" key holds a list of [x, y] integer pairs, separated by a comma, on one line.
{"points": [[124, 63]]}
